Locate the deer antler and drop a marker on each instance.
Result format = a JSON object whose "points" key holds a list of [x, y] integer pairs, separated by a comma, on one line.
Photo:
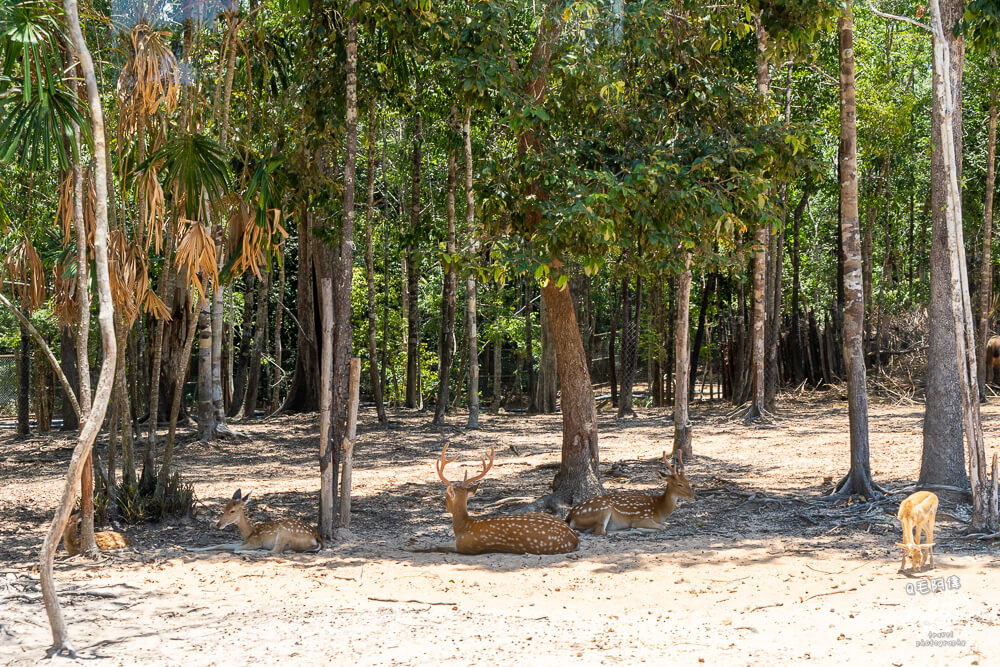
{"points": [[442, 462], [486, 468], [666, 462]]}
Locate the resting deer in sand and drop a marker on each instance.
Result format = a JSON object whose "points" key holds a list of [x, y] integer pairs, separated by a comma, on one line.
{"points": [[917, 513], [992, 358], [274, 535], [530, 533], [107, 540], [620, 511]]}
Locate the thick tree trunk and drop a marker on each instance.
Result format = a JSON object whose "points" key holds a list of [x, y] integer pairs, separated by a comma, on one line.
{"points": [[373, 369], [206, 409], [682, 342], [471, 332], [986, 280], [242, 370], [67, 361], [446, 344], [858, 481], [304, 391], [60, 636], [943, 457], [412, 272], [946, 108], [259, 334]]}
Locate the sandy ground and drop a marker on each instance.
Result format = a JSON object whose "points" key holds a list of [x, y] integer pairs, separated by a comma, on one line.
{"points": [[755, 572]]}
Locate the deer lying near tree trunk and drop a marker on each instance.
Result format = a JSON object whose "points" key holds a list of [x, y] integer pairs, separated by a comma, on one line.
{"points": [[620, 511], [529, 533], [992, 358], [274, 535], [107, 540], [917, 513]]}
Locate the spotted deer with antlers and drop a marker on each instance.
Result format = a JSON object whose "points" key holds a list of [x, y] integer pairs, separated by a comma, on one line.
{"points": [[531, 533], [621, 511]]}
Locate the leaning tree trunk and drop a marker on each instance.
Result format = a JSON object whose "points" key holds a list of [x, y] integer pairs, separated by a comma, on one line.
{"points": [[984, 492], [943, 457], [682, 356], [858, 481], [471, 332], [446, 344], [986, 282], [92, 424]]}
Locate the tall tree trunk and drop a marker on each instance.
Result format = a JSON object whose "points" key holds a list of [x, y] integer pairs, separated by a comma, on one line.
{"points": [[412, 271], [24, 381], [756, 411], [946, 108], [60, 636], [858, 480], [373, 370], [529, 346], [497, 345], [206, 409], [796, 333], [259, 334], [304, 391], [682, 338], [986, 280], [614, 298], [943, 456], [278, 346], [471, 332], [344, 266], [446, 344], [242, 369], [67, 361], [327, 471], [699, 335]]}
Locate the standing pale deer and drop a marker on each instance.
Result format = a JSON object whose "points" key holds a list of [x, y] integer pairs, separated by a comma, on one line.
{"points": [[274, 535], [917, 513], [530, 533], [620, 511]]}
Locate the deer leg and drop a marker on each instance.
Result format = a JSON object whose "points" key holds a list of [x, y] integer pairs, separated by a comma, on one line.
{"points": [[648, 524], [929, 535], [601, 527], [217, 547]]}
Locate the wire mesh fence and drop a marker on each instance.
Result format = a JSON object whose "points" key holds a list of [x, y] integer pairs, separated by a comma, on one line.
{"points": [[8, 385]]}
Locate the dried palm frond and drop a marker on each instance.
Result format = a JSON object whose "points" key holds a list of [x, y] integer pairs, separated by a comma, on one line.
{"points": [[64, 208], [196, 255], [65, 305], [24, 271], [149, 194], [149, 80]]}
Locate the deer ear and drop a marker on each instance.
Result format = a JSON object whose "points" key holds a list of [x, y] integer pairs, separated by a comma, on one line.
{"points": [[472, 489], [246, 498], [236, 496]]}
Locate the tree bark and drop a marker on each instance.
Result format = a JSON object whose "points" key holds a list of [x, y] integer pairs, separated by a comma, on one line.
{"points": [[682, 355], [630, 349], [858, 481], [326, 469], [547, 387], [60, 637], [256, 353], [412, 271], [614, 298], [946, 107], [943, 457], [24, 381], [529, 345], [206, 408], [67, 362], [449, 290], [756, 411], [699, 335], [242, 369], [986, 280], [373, 370], [304, 391], [471, 332]]}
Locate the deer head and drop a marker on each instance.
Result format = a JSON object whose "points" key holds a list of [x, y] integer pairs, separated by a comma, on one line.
{"points": [[456, 498], [677, 484], [234, 510]]}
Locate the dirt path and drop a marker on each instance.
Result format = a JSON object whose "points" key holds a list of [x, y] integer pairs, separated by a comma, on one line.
{"points": [[754, 572]]}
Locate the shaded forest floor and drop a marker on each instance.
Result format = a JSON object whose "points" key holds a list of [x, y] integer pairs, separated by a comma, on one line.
{"points": [[756, 571]]}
